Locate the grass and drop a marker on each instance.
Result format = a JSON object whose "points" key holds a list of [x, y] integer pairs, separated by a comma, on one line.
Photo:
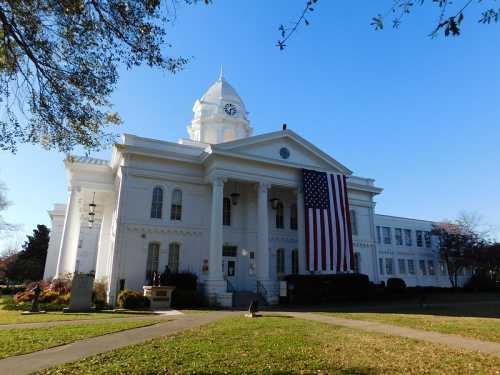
{"points": [[481, 328], [13, 316], [17, 341], [281, 345]]}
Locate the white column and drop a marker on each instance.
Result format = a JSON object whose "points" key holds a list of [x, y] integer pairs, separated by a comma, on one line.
{"points": [[262, 232], [69, 242], [215, 245], [103, 247], [301, 231]]}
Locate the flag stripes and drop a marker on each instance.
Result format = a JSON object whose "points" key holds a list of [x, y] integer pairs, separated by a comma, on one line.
{"points": [[328, 232]]}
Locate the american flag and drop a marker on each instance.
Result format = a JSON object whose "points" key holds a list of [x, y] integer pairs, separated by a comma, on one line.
{"points": [[327, 223]]}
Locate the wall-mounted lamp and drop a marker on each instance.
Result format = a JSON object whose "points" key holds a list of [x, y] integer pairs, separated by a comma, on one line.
{"points": [[235, 197], [92, 207], [274, 203]]}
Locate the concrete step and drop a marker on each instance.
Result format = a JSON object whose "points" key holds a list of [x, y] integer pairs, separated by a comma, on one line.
{"points": [[244, 299]]}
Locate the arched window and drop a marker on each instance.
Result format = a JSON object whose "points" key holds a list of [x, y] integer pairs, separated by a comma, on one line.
{"points": [[176, 206], [226, 211], [157, 203], [152, 261], [280, 261], [293, 217], [173, 257], [295, 261], [280, 222]]}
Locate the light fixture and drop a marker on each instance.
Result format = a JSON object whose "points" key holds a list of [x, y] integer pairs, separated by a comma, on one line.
{"points": [[235, 198], [92, 207], [274, 203]]}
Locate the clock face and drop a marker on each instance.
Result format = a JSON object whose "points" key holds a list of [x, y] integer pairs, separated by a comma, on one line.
{"points": [[284, 152], [230, 109]]}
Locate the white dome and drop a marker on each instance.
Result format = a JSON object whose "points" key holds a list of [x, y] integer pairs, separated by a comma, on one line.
{"points": [[220, 115]]}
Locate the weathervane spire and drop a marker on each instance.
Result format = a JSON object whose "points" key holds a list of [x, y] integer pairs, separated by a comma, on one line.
{"points": [[221, 74]]}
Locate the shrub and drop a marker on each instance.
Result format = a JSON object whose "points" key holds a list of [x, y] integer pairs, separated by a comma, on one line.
{"points": [[130, 299], [396, 285], [99, 295], [182, 280], [314, 289], [481, 283], [187, 299]]}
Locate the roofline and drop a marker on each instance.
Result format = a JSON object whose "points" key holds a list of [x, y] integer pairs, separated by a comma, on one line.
{"points": [[409, 218]]}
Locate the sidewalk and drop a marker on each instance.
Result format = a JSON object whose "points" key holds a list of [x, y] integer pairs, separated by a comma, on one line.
{"points": [[28, 363], [454, 341]]}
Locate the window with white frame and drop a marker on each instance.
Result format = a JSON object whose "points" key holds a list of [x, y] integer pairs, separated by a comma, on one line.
{"points": [[176, 205], [386, 231], [420, 239], [152, 261], [280, 216], [430, 267], [398, 234], [157, 203], [226, 211], [389, 266], [381, 266], [293, 217], [379, 234], [423, 268], [354, 222], [173, 257], [427, 238], [295, 261], [402, 266], [411, 267], [280, 261], [408, 237]]}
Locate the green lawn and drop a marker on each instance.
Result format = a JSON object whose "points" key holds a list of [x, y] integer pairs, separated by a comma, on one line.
{"points": [[481, 328], [282, 345], [17, 341], [13, 316]]}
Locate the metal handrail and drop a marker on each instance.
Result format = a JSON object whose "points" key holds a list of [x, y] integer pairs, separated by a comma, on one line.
{"points": [[261, 290]]}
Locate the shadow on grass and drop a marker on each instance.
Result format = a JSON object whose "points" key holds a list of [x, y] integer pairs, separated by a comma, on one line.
{"points": [[484, 305]]}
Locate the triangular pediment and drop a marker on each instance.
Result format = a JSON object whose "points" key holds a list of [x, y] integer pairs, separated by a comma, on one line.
{"points": [[269, 148]]}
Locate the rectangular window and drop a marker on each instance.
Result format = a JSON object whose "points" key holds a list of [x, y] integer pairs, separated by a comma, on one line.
{"points": [[379, 235], [251, 266], [442, 268], [420, 240], [280, 261], [398, 232], [427, 237], [389, 266], [423, 269], [152, 261], [226, 211], [387, 235], [295, 261], [402, 266], [430, 266], [408, 240], [293, 217], [229, 251], [354, 222], [411, 267], [381, 266]]}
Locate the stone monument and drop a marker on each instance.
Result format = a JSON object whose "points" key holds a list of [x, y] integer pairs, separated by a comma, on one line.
{"points": [[81, 293]]}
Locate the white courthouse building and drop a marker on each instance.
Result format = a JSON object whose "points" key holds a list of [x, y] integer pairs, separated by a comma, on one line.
{"points": [[224, 204]]}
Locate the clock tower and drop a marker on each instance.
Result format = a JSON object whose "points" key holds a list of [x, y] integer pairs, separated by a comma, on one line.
{"points": [[220, 115]]}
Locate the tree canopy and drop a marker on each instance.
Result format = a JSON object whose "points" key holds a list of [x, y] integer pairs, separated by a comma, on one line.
{"points": [[59, 64]]}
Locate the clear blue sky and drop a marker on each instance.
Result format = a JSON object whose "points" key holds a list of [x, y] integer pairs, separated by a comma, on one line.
{"points": [[421, 116]]}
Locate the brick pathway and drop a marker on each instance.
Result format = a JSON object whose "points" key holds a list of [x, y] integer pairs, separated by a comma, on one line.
{"points": [[28, 363]]}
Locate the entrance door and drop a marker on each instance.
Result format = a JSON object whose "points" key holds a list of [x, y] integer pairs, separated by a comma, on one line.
{"points": [[230, 265]]}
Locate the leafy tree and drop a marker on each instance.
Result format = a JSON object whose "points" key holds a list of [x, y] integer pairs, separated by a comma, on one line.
{"points": [[59, 63], [4, 203], [30, 262], [450, 16]]}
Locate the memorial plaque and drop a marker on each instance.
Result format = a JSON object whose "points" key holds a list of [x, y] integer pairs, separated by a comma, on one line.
{"points": [[81, 293]]}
